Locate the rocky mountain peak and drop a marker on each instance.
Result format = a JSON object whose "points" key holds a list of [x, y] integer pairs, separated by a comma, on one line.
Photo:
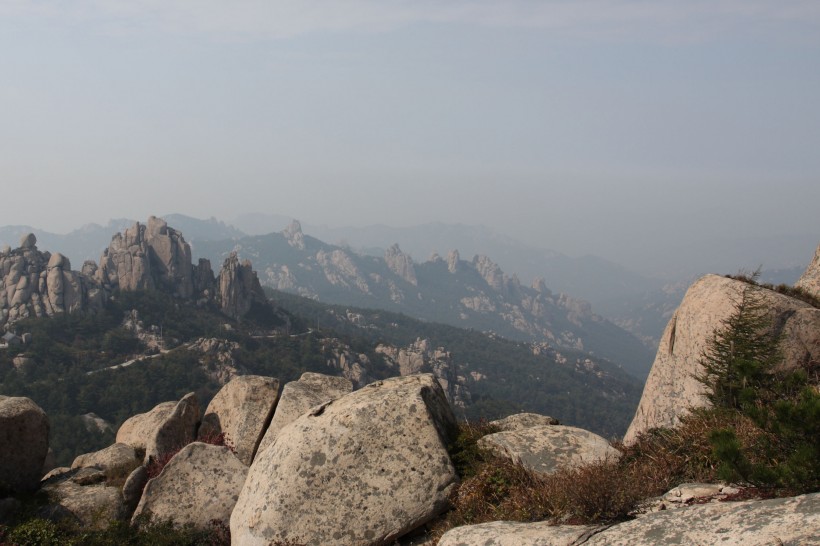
{"points": [[453, 260], [238, 287], [401, 264], [293, 234], [490, 271], [539, 285], [29, 240]]}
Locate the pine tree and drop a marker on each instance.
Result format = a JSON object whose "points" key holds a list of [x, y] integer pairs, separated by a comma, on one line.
{"points": [[740, 357]]}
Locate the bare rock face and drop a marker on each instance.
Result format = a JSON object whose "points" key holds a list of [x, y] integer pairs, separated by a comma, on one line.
{"points": [[401, 264], [199, 485], [453, 261], [150, 255], [113, 456], [168, 426], [509, 533], [294, 236], [298, 397], [490, 271], [238, 287], [23, 444], [38, 284], [671, 389], [810, 280], [421, 356], [788, 521], [519, 421], [547, 449], [364, 469], [242, 410]]}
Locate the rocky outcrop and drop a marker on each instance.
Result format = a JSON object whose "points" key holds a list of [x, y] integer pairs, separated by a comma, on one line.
{"points": [[23, 444], [38, 284], [351, 365], [298, 397], [113, 456], [509, 533], [364, 469], [401, 264], [241, 410], [453, 261], [217, 358], [150, 255], [293, 234], [420, 357], [519, 421], [787, 521], [671, 388], [810, 279], [199, 485], [547, 449], [167, 427], [238, 287], [490, 272], [340, 269]]}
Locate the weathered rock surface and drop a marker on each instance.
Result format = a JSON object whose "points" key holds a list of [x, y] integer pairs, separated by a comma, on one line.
{"points": [[238, 287], [547, 449], [298, 397], [364, 469], [133, 487], [200, 484], [38, 284], [671, 389], [420, 356], [23, 444], [166, 427], [401, 264], [509, 533], [810, 279], [80, 494], [789, 521], [242, 410], [113, 456], [518, 421]]}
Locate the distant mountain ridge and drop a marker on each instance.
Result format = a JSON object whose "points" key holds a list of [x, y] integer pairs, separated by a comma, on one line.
{"points": [[472, 293]]}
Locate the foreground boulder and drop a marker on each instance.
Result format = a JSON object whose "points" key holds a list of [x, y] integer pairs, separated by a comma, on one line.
{"points": [[787, 522], [671, 388], [298, 397], [364, 469], [165, 428], [547, 449], [199, 485], [242, 410], [83, 496], [114, 456], [509, 533], [23, 444]]}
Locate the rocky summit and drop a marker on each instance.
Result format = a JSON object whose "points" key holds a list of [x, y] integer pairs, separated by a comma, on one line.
{"points": [[36, 283]]}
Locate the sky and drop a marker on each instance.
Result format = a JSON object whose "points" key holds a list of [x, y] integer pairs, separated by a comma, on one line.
{"points": [[630, 129]]}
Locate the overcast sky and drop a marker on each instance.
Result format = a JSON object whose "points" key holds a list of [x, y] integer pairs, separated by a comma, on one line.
{"points": [[614, 127]]}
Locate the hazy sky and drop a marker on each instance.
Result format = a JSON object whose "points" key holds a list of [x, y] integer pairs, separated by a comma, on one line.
{"points": [[616, 127]]}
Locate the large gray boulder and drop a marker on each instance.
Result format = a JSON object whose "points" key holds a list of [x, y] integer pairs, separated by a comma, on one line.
{"points": [[23, 444], [199, 485], [312, 389], [83, 495], [510, 533], [167, 427], [242, 410], [671, 388], [547, 449], [364, 469]]}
